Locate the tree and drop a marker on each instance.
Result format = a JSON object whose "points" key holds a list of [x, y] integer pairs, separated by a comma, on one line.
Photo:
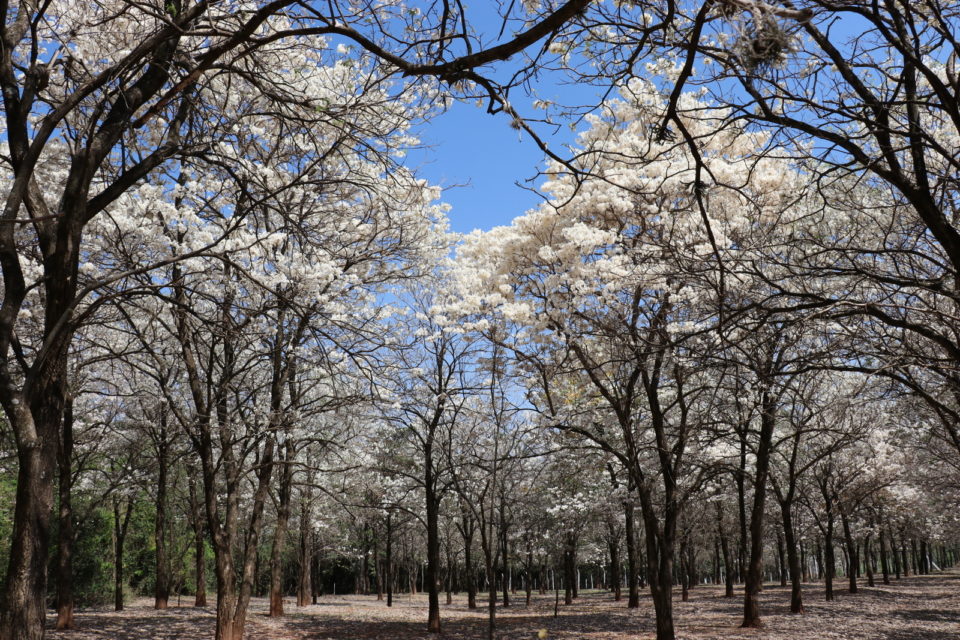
{"points": [[424, 391]]}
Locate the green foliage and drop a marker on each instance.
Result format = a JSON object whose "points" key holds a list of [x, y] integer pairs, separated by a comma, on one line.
{"points": [[8, 491], [140, 550], [93, 560]]}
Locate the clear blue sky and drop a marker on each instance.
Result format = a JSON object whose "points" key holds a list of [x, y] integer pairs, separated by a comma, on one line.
{"points": [[483, 164], [477, 158]]}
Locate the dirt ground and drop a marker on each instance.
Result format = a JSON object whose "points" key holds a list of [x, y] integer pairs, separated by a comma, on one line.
{"points": [[915, 608]]}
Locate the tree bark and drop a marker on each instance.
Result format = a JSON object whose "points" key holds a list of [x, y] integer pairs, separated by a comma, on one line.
{"points": [[633, 582], [121, 520], [37, 432], [162, 586], [304, 586], [66, 535], [389, 560], [829, 562], [793, 559], [505, 557], [199, 548], [433, 545], [781, 562], [751, 601], [613, 545], [727, 557], [280, 531], [852, 555]]}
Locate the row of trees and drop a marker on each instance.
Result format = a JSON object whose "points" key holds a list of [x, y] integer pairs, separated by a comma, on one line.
{"points": [[741, 288]]}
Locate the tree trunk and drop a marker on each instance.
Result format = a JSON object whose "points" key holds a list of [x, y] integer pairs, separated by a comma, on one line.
{"points": [[505, 560], [904, 559], [449, 574], [528, 575], [304, 586], [280, 532], [751, 601], [614, 547], [660, 572], [684, 572], [829, 562], [37, 431], [65, 534], [433, 548], [389, 560], [633, 568], [804, 572], [199, 547], [488, 555], [469, 571], [895, 555], [727, 556], [781, 562], [853, 561], [162, 586], [793, 559], [120, 524]]}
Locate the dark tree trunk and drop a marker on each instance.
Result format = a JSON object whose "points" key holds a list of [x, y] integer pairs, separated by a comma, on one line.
{"points": [[742, 512], [65, 534], [692, 566], [449, 575], [793, 559], [280, 531], [528, 575], [199, 548], [727, 557], [868, 560], [717, 571], [432, 577], [751, 600], [781, 562], [162, 587], [378, 566], [660, 572], [829, 562], [684, 572], [804, 573], [505, 560], [304, 583], [614, 547], [895, 555], [491, 576], [569, 567], [388, 560], [469, 570], [853, 560], [633, 565], [122, 509], [37, 430]]}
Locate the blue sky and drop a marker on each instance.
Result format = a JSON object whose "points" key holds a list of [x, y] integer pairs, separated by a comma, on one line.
{"points": [[483, 164], [477, 158]]}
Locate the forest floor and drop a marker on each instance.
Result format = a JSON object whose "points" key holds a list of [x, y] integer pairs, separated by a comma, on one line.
{"points": [[914, 608]]}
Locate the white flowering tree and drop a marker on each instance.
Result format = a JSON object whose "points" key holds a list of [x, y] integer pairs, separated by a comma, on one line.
{"points": [[612, 284], [424, 391]]}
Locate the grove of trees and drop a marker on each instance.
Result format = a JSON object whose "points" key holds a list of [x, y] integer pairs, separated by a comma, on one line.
{"points": [[242, 355]]}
